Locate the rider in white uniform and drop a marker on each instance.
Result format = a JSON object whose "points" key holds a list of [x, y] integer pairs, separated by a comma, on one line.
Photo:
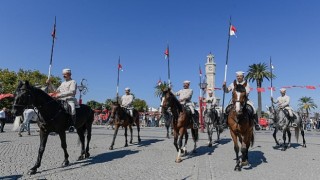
{"points": [[240, 81]]}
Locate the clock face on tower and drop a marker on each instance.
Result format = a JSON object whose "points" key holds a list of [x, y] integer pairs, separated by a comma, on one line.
{"points": [[210, 68]]}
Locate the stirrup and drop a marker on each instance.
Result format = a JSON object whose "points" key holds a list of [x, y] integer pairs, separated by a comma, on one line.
{"points": [[195, 126], [294, 125]]}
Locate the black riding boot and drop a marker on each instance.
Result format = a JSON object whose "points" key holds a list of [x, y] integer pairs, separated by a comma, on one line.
{"points": [[256, 122], [223, 121], [72, 123], [293, 124]]}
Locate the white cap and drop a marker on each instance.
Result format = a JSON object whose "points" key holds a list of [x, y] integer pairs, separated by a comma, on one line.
{"points": [[127, 89], [66, 70], [240, 73], [210, 91], [283, 90], [186, 82]]}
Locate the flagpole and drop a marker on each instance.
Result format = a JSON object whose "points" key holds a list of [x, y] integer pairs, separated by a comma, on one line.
{"points": [[226, 68], [118, 80], [168, 66], [271, 92], [53, 38]]}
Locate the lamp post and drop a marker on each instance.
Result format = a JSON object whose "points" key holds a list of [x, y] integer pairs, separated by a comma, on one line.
{"points": [[203, 86], [82, 89]]}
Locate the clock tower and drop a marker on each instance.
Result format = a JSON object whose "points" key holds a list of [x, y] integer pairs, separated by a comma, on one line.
{"points": [[211, 72]]}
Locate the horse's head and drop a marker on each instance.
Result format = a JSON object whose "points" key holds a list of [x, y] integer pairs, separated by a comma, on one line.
{"points": [[239, 97], [166, 99], [115, 107], [23, 97]]}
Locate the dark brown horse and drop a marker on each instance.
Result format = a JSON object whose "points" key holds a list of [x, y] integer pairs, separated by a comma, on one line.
{"points": [[181, 122], [120, 117], [240, 125]]}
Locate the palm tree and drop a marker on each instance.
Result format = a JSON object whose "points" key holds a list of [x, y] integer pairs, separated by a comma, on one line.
{"points": [[306, 103], [159, 88], [258, 72]]}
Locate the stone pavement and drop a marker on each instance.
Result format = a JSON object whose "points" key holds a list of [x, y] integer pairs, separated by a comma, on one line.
{"points": [[154, 157]]}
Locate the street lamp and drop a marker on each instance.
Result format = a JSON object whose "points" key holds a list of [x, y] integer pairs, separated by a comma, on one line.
{"points": [[82, 89], [203, 86]]}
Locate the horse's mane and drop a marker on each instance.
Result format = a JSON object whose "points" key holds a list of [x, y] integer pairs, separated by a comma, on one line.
{"points": [[175, 101], [240, 87], [41, 92]]}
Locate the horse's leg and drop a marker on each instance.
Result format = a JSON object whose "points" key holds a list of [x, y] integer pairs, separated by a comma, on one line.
{"points": [[181, 134], [167, 127], [126, 136], [175, 139], [195, 138], [302, 134], [186, 137], [218, 133], [80, 132], [131, 134], [209, 135], [284, 137], [62, 135], [138, 128], [114, 136], [43, 142], [289, 137], [275, 136], [236, 150], [89, 130]]}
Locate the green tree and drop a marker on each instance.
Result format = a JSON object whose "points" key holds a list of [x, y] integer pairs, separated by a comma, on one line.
{"points": [[95, 105], [159, 88], [258, 72], [306, 103], [10, 79], [108, 103], [139, 105]]}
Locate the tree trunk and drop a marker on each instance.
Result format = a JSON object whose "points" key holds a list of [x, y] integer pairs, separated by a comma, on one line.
{"points": [[259, 101]]}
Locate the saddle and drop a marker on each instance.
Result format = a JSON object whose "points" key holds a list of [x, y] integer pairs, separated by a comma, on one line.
{"points": [[286, 113], [194, 116]]}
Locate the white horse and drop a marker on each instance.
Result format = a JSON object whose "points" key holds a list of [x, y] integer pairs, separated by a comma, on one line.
{"points": [[281, 122]]}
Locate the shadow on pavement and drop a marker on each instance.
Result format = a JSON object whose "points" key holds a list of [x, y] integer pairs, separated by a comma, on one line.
{"points": [[11, 177], [109, 156], [256, 158], [145, 143]]}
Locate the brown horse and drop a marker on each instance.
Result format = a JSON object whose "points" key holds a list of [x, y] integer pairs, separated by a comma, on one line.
{"points": [[120, 117], [240, 125], [181, 122]]}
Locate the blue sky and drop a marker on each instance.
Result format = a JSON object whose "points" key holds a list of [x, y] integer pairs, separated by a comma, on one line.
{"points": [[91, 35]]}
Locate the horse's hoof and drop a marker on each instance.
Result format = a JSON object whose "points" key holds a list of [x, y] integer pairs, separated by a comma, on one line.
{"points": [[130, 142], [20, 135], [110, 148], [237, 168], [80, 158], [65, 163], [139, 140], [32, 171], [304, 146], [210, 145], [245, 163], [178, 160], [87, 155]]}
